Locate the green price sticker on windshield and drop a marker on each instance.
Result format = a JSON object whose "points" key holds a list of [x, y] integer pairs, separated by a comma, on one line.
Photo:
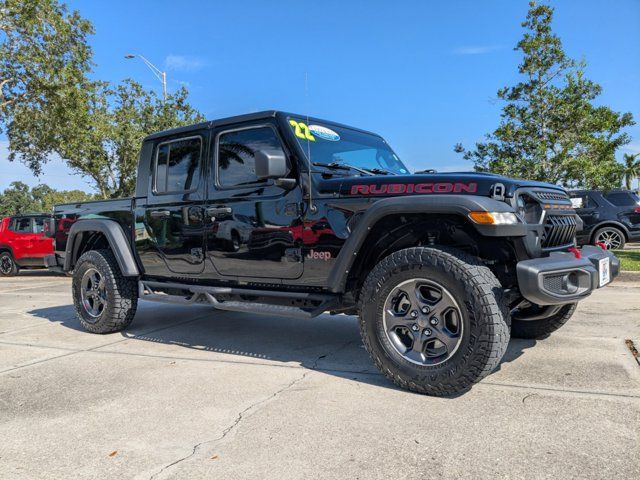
{"points": [[302, 131]]}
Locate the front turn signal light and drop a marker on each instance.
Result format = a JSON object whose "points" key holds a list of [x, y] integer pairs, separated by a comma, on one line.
{"points": [[494, 218]]}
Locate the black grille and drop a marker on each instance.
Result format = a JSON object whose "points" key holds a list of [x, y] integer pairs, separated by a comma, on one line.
{"points": [[559, 231], [552, 196]]}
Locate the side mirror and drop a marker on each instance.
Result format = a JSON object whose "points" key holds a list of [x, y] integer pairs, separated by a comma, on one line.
{"points": [[270, 164], [49, 227]]}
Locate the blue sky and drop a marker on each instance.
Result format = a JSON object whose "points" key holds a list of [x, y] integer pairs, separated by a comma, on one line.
{"points": [[424, 74]]}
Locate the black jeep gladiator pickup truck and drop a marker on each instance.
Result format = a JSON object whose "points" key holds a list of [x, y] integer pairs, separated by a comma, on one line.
{"points": [[288, 215]]}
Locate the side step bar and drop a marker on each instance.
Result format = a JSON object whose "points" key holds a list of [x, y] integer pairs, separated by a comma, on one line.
{"points": [[197, 294]]}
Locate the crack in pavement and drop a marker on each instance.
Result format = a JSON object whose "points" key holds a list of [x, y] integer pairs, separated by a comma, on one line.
{"points": [[313, 368]]}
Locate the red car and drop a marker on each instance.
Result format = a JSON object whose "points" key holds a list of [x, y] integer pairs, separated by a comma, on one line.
{"points": [[23, 243]]}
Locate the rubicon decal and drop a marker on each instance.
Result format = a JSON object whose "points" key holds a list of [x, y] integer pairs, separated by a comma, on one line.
{"points": [[420, 188]]}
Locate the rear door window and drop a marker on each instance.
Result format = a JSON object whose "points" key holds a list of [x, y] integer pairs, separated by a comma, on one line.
{"points": [[177, 166], [38, 225]]}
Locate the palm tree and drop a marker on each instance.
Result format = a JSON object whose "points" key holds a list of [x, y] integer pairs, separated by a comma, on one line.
{"points": [[631, 168]]}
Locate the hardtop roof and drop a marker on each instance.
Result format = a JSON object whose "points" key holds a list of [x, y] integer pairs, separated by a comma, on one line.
{"points": [[248, 117]]}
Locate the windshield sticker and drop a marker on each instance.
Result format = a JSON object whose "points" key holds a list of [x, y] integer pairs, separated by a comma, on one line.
{"points": [[324, 132], [301, 130]]}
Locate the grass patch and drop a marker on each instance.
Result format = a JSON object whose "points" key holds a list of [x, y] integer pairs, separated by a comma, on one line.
{"points": [[629, 259]]}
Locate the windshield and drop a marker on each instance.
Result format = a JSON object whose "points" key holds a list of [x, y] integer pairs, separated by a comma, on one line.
{"points": [[333, 145]]}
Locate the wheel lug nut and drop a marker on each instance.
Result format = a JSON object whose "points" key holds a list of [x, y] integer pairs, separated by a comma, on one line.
{"points": [[433, 321], [414, 327], [414, 314], [425, 309], [427, 332]]}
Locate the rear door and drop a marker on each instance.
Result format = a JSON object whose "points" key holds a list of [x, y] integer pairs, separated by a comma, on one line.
{"points": [[42, 245], [171, 240], [253, 223]]}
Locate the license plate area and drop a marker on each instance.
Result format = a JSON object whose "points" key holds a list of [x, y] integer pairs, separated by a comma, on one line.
{"points": [[604, 271]]}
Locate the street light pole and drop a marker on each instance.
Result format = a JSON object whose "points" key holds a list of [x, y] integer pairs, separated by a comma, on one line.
{"points": [[162, 76]]}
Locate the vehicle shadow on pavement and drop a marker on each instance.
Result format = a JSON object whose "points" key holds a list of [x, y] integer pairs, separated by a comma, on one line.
{"points": [[329, 344], [37, 273]]}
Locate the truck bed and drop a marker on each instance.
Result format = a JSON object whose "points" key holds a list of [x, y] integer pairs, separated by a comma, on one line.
{"points": [[119, 209]]}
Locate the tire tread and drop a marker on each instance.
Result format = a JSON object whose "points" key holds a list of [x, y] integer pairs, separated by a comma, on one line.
{"points": [[485, 292], [124, 303]]}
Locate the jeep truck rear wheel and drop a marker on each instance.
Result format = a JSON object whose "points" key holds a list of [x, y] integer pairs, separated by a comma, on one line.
{"points": [[104, 299], [432, 320]]}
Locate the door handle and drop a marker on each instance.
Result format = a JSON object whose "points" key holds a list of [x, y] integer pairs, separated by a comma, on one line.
{"points": [[213, 211], [160, 214]]}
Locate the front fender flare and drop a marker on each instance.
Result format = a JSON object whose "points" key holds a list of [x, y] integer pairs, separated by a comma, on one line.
{"points": [[120, 246], [439, 204]]}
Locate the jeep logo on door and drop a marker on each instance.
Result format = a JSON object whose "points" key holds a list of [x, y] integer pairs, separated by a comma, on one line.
{"points": [[316, 255], [419, 188]]}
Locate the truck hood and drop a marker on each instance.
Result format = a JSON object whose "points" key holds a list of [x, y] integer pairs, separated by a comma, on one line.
{"points": [[464, 183]]}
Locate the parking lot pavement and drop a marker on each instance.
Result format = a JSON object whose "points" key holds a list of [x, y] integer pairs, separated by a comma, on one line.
{"points": [[197, 393]]}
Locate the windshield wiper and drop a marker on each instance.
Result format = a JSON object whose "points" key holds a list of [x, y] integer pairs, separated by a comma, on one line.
{"points": [[346, 166], [380, 171], [342, 166]]}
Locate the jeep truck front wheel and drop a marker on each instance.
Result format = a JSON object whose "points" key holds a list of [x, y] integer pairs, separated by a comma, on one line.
{"points": [[432, 320], [104, 299]]}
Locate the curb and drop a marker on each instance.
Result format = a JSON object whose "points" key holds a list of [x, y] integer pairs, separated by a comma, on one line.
{"points": [[627, 276]]}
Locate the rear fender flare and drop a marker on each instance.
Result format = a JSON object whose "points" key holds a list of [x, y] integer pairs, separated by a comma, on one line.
{"points": [[7, 247], [120, 245], [459, 205]]}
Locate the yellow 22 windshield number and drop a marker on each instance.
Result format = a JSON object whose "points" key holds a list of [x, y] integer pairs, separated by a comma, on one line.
{"points": [[302, 131]]}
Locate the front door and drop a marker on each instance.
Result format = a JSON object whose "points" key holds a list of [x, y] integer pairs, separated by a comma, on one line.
{"points": [[587, 209], [253, 223], [170, 234]]}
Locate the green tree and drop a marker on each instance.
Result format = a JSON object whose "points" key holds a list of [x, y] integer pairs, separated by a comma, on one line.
{"points": [[631, 169], [550, 130], [105, 140], [19, 198], [44, 57], [46, 197], [48, 105]]}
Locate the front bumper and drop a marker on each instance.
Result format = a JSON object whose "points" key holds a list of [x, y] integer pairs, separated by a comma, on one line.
{"points": [[563, 278]]}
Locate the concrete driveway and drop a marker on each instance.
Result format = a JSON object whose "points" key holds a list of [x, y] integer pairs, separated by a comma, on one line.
{"points": [[196, 393]]}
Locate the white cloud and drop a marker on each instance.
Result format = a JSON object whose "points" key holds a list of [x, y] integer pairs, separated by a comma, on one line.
{"points": [[183, 63], [633, 147], [475, 49]]}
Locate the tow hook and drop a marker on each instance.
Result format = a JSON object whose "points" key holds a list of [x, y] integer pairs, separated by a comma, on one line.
{"points": [[602, 245], [576, 253]]}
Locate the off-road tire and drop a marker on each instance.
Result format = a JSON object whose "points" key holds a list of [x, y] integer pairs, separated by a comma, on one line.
{"points": [[485, 335], [121, 293], [13, 268], [537, 329]]}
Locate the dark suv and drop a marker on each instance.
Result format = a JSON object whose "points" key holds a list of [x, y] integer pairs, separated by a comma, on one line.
{"points": [[611, 218]]}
